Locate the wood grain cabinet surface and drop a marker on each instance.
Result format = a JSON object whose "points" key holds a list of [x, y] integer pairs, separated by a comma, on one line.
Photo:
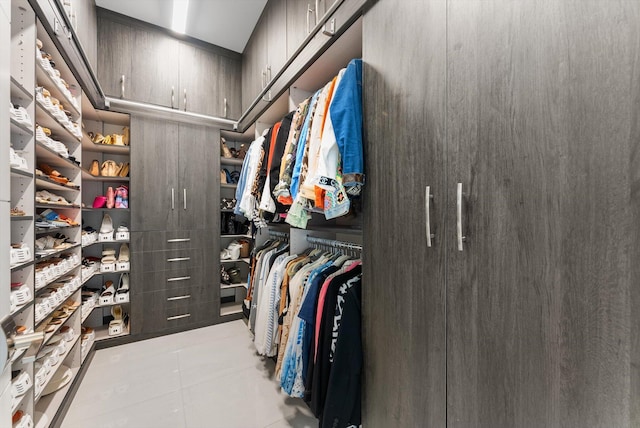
{"points": [[533, 108]]}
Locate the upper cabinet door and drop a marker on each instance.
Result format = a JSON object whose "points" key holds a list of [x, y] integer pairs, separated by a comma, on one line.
{"points": [[254, 64], [155, 190], [154, 72], [299, 22], [276, 37], [404, 307], [114, 57], [208, 78], [542, 124]]}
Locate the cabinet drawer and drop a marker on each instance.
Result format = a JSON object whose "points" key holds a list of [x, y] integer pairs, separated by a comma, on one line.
{"points": [[187, 276], [169, 260], [172, 240]]}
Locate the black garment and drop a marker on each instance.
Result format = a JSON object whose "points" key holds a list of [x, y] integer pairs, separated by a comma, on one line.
{"points": [[276, 162], [342, 406], [307, 360], [322, 367]]}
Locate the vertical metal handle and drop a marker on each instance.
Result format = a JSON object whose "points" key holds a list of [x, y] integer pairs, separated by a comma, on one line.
{"points": [[268, 73], [428, 196], [173, 198], [225, 108], [184, 199], [264, 75], [185, 100], [461, 238], [122, 86], [317, 12], [309, 12], [173, 96]]}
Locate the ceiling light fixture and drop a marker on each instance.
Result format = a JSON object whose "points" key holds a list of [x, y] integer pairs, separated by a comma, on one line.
{"points": [[179, 21]]}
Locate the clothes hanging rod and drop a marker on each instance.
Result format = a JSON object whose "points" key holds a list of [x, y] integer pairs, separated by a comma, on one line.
{"points": [[278, 234], [160, 112], [333, 243]]}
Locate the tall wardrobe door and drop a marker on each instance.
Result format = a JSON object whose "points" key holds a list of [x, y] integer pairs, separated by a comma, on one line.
{"points": [[154, 175], [199, 190], [403, 306], [542, 100]]}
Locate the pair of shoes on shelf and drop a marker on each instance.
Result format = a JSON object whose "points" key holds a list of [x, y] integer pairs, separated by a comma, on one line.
{"points": [[110, 295], [232, 252], [107, 225], [110, 168], [117, 326]]}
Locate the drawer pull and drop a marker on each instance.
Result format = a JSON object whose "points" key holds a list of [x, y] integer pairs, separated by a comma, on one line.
{"points": [[177, 317], [179, 259], [171, 299], [170, 241], [178, 278]]}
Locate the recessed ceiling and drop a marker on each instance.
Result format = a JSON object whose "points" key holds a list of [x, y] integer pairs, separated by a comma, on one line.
{"points": [[226, 23]]}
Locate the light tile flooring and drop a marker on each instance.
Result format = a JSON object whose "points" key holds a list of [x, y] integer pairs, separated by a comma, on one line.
{"points": [[205, 378]]}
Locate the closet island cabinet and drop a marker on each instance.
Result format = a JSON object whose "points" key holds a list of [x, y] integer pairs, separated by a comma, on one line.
{"points": [[175, 222], [518, 131], [139, 63]]}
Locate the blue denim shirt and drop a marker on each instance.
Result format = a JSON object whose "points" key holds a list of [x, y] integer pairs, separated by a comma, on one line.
{"points": [[346, 116]]}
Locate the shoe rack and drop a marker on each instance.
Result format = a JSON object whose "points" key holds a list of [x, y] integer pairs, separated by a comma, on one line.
{"points": [[22, 191], [233, 229], [105, 234]]}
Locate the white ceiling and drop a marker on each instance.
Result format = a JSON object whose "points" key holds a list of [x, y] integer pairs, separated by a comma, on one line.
{"points": [[226, 23]]}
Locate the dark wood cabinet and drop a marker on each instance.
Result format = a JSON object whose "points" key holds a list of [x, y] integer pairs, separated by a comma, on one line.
{"points": [[154, 175], [114, 56], [266, 51], [298, 24], [160, 69], [209, 81], [405, 379], [174, 170], [175, 200], [532, 109]]}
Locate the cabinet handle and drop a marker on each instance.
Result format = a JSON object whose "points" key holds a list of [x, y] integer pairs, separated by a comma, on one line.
{"points": [[268, 73], [171, 299], [428, 197], [184, 198], [173, 94], [317, 12], [122, 86], [309, 12], [264, 75], [461, 238], [179, 259], [225, 108], [185, 100], [173, 199], [177, 317], [178, 278], [178, 240]]}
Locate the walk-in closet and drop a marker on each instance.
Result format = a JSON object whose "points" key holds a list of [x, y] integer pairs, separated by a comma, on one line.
{"points": [[319, 213]]}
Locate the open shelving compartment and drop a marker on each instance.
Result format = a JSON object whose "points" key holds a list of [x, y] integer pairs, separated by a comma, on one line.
{"points": [[104, 123]]}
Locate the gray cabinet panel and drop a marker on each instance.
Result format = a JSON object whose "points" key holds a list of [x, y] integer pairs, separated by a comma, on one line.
{"points": [[539, 110], [276, 36], [405, 369], [254, 62], [86, 18], [199, 166], [114, 56], [154, 71], [297, 29], [210, 78], [154, 168]]}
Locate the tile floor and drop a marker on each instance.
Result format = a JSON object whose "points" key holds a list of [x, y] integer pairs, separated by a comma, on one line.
{"points": [[205, 378]]}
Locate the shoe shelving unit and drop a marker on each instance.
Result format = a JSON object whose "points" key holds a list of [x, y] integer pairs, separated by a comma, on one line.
{"points": [[51, 274], [98, 317], [232, 295]]}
